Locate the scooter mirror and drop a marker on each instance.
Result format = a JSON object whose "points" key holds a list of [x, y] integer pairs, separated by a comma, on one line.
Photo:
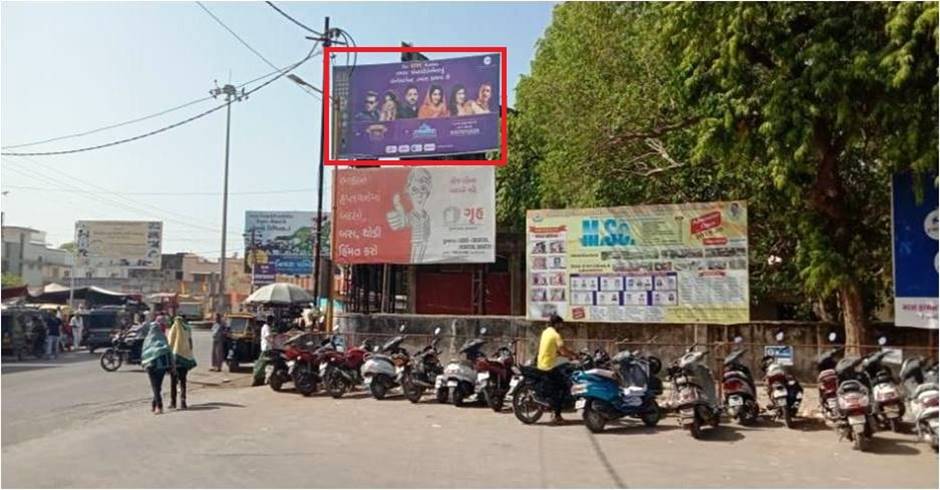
{"points": [[401, 328], [483, 331], [832, 336], [375, 349], [779, 336], [882, 340], [437, 330], [738, 339]]}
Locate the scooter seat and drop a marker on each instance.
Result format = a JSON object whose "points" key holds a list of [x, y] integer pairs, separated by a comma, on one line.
{"points": [[604, 373], [827, 373], [735, 374], [925, 387]]}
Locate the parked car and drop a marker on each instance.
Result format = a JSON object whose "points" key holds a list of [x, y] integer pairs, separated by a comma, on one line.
{"points": [[100, 324]]}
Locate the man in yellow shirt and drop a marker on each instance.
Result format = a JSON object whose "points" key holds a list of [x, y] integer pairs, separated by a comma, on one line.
{"points": [[550, 345]]}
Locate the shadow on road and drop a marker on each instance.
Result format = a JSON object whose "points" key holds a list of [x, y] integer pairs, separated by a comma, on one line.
{"points": [[636, 428], [893, 446], [11, 365], [723, 433], [212, 406]]}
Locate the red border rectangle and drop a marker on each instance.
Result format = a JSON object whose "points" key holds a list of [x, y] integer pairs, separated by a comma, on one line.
{"points": [[504, 99]]}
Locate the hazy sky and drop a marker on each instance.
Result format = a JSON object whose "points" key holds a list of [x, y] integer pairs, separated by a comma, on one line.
{"points": [[72, 67]]}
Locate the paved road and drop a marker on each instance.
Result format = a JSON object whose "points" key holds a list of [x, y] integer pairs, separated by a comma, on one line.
{"points": [[41, 397], [253, 437]]}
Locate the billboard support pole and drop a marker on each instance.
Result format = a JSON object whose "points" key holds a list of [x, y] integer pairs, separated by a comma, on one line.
{"points": [[316, 261]]}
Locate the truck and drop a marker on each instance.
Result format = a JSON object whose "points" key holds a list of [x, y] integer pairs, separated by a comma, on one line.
{"points": [[190, 310]]}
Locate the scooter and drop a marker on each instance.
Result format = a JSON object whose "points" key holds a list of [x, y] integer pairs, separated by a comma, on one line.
{"points": [[422, 372], [828, 382], [530, 399], [459, 380], [276, 372], [784, 391], [383, 369], [694, 392], [339, 368], [920, 384], [888, 408], [855, 421], [740, 394], [629, 390], [494, 375]]}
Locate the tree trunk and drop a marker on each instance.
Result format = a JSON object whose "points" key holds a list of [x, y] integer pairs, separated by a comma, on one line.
{"points": [[853, 315]]}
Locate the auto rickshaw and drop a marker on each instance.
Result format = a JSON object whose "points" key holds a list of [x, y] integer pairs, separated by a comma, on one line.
{"points": [[243, 342], [24, 332]]}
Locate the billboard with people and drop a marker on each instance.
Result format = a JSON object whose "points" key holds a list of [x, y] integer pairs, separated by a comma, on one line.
{"points": [[415, 215], [422, 108], [118, 244], [670, 263]]}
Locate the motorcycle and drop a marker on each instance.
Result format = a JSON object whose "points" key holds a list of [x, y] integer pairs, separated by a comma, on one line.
{"points": [[301, 360], [920, 385], [383, 368], [694, 392], [784, 391], [629, 390], [339, 368], [126, 346], [854, 404], [739, 390], [888, 408], [494, 375], [276, 371], [530, 399], [828, 382], [422, 372]]}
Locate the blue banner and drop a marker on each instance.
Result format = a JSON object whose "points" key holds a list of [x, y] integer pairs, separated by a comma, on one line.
{"points": [[915, 251]]}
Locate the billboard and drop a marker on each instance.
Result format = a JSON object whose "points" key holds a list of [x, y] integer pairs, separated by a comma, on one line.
{"points": [[280, 242], [668, 263], [915, 246], [421, 108], [415, 215], [123, 244]]}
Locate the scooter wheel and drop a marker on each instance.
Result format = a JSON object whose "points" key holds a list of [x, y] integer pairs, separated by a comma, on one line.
{"points": [[412, 391], [695, 428], [443, 396], [895, 425], [275, 382], [651, 418], [111, 360], [859, 442], [457, 395], [593, 420], [336, 385], [787, 418], [377, 388]]}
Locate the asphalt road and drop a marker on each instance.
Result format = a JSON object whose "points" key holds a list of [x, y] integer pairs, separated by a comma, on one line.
{"points": [[253, 437], [40, 397]]}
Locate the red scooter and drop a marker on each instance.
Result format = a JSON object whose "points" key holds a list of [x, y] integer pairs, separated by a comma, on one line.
{"points": [[493, 374], [339, 370]]}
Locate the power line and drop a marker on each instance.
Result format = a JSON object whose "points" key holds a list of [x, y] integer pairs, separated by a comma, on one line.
{"points": [[243, 193], [295, 21], [165, 128]]}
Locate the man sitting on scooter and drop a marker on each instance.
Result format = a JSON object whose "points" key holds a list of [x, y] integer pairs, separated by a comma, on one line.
{"points": [[550, 345]]}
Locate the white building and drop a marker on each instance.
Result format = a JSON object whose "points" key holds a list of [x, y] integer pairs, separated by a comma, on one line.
{"points": [[26, 254]]}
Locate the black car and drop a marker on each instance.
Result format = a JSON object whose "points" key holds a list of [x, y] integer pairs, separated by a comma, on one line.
{"points": [[99, 325]]}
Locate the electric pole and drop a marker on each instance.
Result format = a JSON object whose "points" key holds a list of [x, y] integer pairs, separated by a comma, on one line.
{"points": [[231, 95]]}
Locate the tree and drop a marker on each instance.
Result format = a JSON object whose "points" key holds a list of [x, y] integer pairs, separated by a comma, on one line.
{"points": [[69, 247], [12, 280], [825, 100]]}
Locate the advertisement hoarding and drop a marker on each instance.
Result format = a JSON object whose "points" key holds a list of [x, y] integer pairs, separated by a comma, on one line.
{"points": [[280, 242], [122, 244], [415, 215], [421, 108], [915, 250], [671, 263]]}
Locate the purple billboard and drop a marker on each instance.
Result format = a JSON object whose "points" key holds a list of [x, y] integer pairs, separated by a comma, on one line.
{"points": [[422, 108]]}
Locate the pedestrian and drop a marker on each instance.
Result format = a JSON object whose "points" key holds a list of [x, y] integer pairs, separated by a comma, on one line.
{"points": [[219, 331], [53, 330], [65, 330], [78, 325], [156, 359], [550, 345], [266, 341], [161, 322], [181, 345]]}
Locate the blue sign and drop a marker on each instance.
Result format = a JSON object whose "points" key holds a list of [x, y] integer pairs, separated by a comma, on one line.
{"points": [[915, 249]]}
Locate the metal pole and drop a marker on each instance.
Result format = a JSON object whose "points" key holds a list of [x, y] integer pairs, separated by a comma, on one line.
{"points": [[228, 125], [316, 259]]}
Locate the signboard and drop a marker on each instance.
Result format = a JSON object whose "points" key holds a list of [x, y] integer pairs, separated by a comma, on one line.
{"points": [[783, 354], [672, 263], [280, 242], [422, 108], [415, 215], [121, 244], [915, 250]]}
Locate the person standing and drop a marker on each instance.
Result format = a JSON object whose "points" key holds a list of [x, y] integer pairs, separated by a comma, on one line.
{"points": [[156, 359], [219, 331], [266, 342], [78, 325], [181, 345], [550, 345], [53, 330]]}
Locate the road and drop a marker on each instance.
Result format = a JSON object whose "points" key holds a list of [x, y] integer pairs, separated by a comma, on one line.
{"points": [[88, 433]]}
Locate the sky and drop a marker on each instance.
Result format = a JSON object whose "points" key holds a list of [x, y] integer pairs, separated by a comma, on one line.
{"points": [[72, 67]]}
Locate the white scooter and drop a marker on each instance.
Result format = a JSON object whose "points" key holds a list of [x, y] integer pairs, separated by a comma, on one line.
{"points": [[384, 368], [923, 393], [459, 380]]}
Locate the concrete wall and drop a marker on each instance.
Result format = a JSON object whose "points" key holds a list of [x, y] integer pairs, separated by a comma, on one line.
{"points": [[666, 341]]}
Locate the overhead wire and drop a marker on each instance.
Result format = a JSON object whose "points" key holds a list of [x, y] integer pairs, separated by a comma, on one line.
{"points": [[165, 128], [295, 21], [236, 193]]}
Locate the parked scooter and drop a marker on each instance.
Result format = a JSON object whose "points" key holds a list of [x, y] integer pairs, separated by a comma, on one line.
{"points": [[383, 368], [494, 375], [694, 392], [739, 389], [921, 386], [628, 390], [828, 381], [888, 408], [276, 371], [422, 372], [339, 368], [531, 399], [459, 380], [855, 421]]}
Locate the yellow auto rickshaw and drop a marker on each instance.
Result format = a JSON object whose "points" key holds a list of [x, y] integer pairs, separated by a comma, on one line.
{"points": [[243, 341]]}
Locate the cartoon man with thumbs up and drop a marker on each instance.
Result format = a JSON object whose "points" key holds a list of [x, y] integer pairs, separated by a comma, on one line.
{"points": [[418, 188]]}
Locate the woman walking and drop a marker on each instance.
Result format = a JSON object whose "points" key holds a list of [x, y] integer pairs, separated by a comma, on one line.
{"points": [[156, 359], [181, 345], [218, 343]]}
